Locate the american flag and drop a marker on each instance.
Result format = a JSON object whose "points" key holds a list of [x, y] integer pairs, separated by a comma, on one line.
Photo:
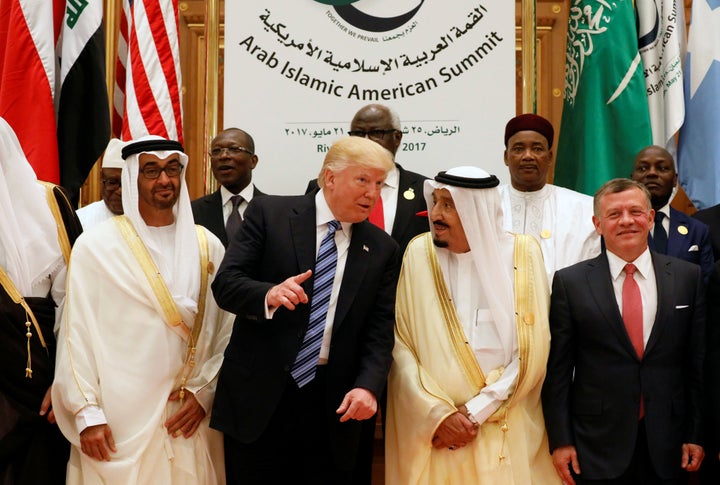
{"points": [[148, 79]]}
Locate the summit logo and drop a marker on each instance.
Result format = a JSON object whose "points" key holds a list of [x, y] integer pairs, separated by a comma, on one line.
{"points": [[359, 14]]}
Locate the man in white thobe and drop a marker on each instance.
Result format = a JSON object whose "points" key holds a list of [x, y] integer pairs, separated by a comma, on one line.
{"points": [[471, 345], [141, 340], [559, 218], [111, 203]]}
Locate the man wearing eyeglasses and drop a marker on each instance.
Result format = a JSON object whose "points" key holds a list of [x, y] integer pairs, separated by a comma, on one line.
{"points": [[623, 395], [233, 158], [401, 195], [111, 203], [142, 335]]}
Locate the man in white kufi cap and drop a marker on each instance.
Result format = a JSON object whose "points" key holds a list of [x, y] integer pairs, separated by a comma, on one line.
{"points": [[111, 203], [471, 344], [142, 338]]}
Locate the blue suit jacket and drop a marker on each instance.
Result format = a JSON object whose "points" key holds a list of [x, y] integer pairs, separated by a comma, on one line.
{"points": [[689, 240]]}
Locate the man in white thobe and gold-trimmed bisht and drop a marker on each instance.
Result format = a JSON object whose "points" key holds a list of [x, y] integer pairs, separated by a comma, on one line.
{"points": [[471, 345], [142, 340]]}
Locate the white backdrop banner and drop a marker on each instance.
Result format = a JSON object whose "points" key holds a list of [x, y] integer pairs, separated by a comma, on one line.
{"points": [[296, 73]]}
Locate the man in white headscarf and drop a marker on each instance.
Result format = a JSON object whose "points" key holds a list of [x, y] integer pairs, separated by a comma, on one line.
{"points": [[111, 203], [471, 344], [141, 337], [37, 229]]}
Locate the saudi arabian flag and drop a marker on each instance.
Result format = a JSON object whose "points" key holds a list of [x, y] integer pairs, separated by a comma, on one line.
{"points": [[605, 119]]}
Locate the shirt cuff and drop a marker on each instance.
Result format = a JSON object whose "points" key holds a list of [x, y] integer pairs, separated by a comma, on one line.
{"points": [[269, 312], [482, 407], [90, 415]]}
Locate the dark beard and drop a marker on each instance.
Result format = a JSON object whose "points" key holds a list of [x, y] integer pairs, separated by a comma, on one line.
{"points": [[440, 244]]}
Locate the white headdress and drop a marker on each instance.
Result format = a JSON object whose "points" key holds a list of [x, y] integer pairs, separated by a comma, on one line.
{"points": [[182, 273], [479, 207], [28, 232]]}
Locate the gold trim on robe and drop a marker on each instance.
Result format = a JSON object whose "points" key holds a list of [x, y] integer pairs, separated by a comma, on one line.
{"points": [[431, 376]]}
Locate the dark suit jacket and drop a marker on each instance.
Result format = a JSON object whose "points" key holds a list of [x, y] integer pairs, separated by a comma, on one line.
{"points": [[594, 381], [711, 217], [712, 363], [276, 241], [410, 201], [207, 211], [679, 244]]}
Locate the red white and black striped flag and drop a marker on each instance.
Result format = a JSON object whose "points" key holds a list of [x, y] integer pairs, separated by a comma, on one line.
{"points": [[28, 33], [148, 71], [83, 112]]}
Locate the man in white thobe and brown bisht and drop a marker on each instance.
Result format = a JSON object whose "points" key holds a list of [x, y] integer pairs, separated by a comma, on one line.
{"points": [[471, 344], [141, 340]]}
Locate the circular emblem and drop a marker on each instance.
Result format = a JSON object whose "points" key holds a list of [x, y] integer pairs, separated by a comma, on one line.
{"points": [[365, 21], [409, 194], [683, 230], [545, 234]]}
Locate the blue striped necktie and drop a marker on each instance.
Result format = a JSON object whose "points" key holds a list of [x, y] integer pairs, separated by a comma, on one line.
{"points": [[303, 370]]}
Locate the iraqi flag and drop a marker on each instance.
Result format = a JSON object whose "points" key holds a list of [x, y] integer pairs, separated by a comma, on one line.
{"points": [[28, 33], [83, 126]]}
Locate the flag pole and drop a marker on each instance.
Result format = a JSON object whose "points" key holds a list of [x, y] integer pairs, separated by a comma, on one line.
{"points": [[529, 37], [212, 53]]}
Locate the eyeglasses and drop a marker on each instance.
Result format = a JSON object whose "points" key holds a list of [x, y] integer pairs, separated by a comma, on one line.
{"points": [[372, 134], [217, 152], [111, 184], [153, 171]]}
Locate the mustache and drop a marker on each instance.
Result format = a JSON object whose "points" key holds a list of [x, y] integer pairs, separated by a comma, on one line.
{"points": [[440, 223]]}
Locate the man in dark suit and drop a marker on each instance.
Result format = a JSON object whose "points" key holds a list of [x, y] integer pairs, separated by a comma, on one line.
{"points": [[402, 193], [623, 395], [277, 419], [233, 158], [711, 217], [674, 233], [710, 472]]}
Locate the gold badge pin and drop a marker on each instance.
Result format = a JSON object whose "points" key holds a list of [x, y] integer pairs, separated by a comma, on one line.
{"points": [[409, 194], [545, 234], [683, 230]]}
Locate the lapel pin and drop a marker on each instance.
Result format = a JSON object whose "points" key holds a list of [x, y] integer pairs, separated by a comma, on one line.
{"points": [[683, 230], [409, 194], [366, 249]]}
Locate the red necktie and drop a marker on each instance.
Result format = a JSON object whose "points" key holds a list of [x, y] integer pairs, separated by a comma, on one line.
{"points": [[377, 215], [632, 314]]}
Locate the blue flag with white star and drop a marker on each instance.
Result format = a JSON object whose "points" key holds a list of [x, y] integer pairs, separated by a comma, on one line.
{"points": [[699, 148]]}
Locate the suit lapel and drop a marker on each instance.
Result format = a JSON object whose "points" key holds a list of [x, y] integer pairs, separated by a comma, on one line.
{"points": [[356, 264], [405, 210], [600, 282], [303, 232], [215, 216], [665, 301]]}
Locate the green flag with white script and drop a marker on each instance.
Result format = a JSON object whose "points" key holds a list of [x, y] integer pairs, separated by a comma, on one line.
{"points": [[605, 119]]}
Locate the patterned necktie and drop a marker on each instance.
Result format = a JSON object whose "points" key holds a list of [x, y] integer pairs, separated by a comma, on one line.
{"points": [[303, 370], [660, 237], [377, 215], [632, 314], [234, 219]]}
